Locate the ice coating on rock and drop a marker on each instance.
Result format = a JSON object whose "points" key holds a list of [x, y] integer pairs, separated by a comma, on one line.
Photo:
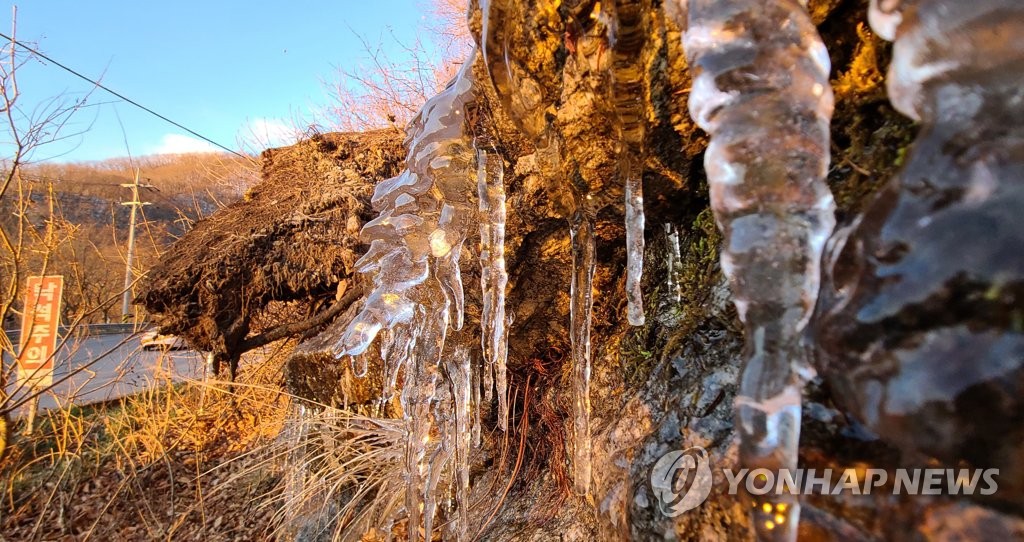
{"points": [[523, 97], [761, 91], [918, 328], [628, 36], [581, 303], [519, 84], [521, 94], [493, 276]]}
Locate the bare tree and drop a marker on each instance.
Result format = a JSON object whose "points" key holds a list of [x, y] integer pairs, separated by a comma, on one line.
{"points": [[388, 91], [28, 236]]}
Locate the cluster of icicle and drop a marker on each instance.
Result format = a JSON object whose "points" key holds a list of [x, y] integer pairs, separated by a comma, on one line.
{"points": [[527, 103], [761, 90], [425, 216]]}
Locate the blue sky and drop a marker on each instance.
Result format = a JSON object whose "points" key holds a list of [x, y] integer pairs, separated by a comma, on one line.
{"points": [[221, 68]]}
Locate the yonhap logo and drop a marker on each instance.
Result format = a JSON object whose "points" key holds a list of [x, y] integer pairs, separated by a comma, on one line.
{"points": [[681, 480]]}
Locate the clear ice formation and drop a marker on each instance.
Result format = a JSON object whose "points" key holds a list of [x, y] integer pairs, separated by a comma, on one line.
{"points": [[918, 328], [523, 97], [493, 276], [761, 90], [459, 369], [627, 37], [425, 215], [581, 303]]}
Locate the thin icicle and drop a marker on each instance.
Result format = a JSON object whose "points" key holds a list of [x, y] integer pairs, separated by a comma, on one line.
{"points": [[400, 342], [459, 366], [761, 90], [628, 37], [493, 276], [581, 302], [674, 257], [476, 404], [632, 173], [488, 378]]}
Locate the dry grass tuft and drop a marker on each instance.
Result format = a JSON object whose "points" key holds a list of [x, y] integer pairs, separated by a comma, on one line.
{"points": [[168, 463]]}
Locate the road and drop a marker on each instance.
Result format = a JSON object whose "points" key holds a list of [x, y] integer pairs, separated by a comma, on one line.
{"points": [[102, 367]]}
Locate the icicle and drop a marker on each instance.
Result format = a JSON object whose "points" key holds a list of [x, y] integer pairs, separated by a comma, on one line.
{"points": [[761, 90], [360, 362], [476, 406], [400, 343], [674, 257], [581, 301], [425, 214], [418, 392], [912, 323], [628, 37], [458, 367], [493, 276], [488, 371], [634, 239], [445, 411]]}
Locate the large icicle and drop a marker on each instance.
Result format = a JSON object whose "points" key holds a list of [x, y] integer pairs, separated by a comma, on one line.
{"points": [[425, 215], [628, 37], [761, 90], [918, 323], [417, 393], [493, 276]]}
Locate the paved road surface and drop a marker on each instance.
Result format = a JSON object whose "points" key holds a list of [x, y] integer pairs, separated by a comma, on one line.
{"points": [[103, 367]]}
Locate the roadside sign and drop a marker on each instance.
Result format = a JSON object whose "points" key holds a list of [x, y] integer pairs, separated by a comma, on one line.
{"points": [[39, 330]]}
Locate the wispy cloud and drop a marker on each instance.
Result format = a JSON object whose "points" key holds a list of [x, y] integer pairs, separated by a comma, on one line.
{"points": [[180, 144], [263, 133]]}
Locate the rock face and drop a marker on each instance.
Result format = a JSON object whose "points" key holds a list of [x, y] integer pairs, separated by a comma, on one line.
{"points": [[664, 386]]}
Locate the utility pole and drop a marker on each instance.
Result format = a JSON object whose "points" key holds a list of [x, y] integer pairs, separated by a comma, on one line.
{"points": [[135, 203]]}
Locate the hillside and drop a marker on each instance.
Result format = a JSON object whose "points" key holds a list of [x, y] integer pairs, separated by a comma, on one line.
{"points": [[91, 224]]}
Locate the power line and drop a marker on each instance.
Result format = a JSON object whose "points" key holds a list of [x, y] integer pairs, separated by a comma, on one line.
{"points": [[117, 94]]}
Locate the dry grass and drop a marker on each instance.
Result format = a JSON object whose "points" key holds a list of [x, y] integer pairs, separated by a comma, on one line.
{"points": [[174, 462], [206, 460]]}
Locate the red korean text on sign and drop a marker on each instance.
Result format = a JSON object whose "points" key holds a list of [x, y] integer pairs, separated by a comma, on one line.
{"points": [[39, 330]]}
